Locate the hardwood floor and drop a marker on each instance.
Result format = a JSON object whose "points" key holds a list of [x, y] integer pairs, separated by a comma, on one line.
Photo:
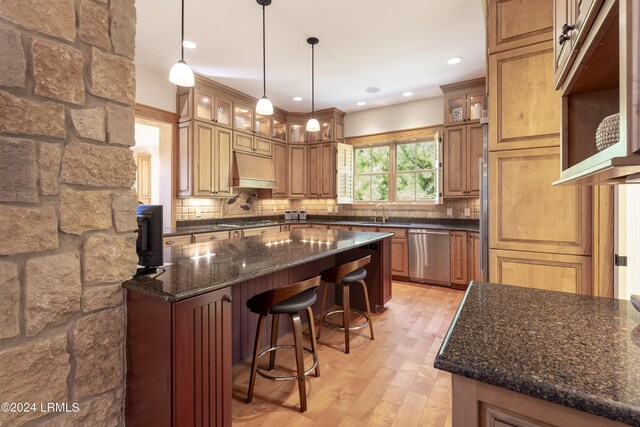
{"points": [[388, 381]]}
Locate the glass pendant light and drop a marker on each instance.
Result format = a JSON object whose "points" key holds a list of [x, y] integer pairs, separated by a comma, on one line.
{"points": [[181, 74], [264, 106], [313, 125]]}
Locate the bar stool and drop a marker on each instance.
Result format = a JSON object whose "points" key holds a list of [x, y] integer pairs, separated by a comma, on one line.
{"points": [[287, 300], [343, 276]]}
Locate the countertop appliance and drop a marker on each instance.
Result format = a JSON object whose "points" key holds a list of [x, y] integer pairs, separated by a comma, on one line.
{"points": [[429, 257]]}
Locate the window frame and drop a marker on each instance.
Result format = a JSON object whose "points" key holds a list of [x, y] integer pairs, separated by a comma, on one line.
{"points": [[393, 172]]}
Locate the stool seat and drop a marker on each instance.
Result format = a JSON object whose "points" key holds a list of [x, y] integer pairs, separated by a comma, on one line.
{"points": [[354, 276], [295, 303]]}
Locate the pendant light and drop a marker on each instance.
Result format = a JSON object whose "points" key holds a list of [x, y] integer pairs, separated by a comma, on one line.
{"points": [[181, 74], [264, 106], [313, 125]]}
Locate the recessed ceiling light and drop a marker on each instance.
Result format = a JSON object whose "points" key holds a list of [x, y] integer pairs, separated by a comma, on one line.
{"points": [[188, 44], [407, 94], [297, 98], [453, 61], [361, 103], [373, 89]]}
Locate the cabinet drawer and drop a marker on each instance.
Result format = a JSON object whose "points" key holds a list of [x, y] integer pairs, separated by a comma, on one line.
{"points": [[176, 240], [369, 229], [339, 227], [206, 237], [398, 233], [262, 231]]}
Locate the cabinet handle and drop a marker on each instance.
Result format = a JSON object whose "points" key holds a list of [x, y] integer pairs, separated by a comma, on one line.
{"points": [[212, 238], [227, 298], [170, 242], [565, 36]]}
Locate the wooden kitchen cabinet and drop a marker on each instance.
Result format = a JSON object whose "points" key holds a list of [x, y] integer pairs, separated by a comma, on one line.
{"points": [[251, 144], [179, 360], [176, 240], [462, 154], [297, 124], [459, 263], [517, 23], [143, 177], [297, 173], [208, 237], [279, 128], [463, 102], [280, 169], [473, 256], [261, 231], [206, 103], [340, 227], [322, 170]]}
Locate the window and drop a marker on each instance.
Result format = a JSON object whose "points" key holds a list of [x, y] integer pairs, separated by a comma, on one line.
{"points": [[372, 174], [402, 172], [416, 171]]}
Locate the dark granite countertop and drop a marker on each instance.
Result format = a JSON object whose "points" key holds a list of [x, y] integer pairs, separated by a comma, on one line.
{"points": [[577, 351], [204, 267], [204, 226]]}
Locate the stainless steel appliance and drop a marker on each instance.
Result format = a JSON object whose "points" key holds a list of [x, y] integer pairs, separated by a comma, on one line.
{"points": [[429, 257], [484, 194]]}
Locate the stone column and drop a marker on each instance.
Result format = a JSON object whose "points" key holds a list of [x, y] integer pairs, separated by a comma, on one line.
{"points": [[67, 211]]}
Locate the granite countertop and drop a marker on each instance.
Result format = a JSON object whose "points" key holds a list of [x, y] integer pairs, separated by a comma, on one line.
{"points": [[204, 226], [577, 351], [204, 267]]}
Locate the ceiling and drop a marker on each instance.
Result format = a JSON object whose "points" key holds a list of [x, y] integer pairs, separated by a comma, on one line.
{"points": [[397, 46]]}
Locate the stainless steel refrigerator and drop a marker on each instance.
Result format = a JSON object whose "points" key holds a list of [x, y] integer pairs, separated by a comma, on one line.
{"points": [[484, 194]]}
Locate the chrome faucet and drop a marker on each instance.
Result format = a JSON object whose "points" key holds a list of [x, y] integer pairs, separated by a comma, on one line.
{"points": [[384, 217]]}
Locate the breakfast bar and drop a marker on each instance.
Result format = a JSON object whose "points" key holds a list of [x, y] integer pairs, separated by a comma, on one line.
{"points": [[188, 323]]}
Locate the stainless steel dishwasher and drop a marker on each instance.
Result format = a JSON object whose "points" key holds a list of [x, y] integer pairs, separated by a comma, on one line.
{"points": [[429, 257]]}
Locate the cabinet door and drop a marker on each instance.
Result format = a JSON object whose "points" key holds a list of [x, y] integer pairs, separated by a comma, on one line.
{"points": [[262, 126], [223, 158], [400, 257], [185, 159], [208, 237], [458, 247], [203, 104], [327, 130], [222, 112], [202, 360], [280, 169], [454, 161], [517, 23], [473, 256], [339, 131], [474, 156], [528, 213], [261, 231], [523, 115], [473, 107], [243, 118], [143, 177], [297, 132], [562, 49], [243, 142], [454, 109], [297, 183], [262, 147], [328, 170], [315, 172], [203, 160]]}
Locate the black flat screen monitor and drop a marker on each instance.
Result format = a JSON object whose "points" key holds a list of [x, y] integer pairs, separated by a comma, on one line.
{"points": [[149, 243]]}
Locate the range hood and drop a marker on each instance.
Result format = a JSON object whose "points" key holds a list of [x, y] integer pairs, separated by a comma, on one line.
{"points": [[252, 171]]}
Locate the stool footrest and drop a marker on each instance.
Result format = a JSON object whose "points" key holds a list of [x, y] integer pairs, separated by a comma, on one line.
{"points": [[264, 374], [338, 327]]}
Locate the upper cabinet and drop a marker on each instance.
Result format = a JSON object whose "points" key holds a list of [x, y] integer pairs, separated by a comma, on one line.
{"points": [[518, 23], [279, 128], [331, 127], [597, 78], [463, 102], [297, 124]]}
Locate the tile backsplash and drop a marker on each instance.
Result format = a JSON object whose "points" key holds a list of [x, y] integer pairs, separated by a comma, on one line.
{"points": [[194, 208]]}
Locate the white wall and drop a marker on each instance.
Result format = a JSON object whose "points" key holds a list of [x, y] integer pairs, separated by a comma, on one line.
{"points": [[627, 238], [410, 115], [154, 89]]}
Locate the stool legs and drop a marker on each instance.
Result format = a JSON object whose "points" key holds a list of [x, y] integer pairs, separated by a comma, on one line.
{"points": [[322, 306], [346, 321], [254, 362], [366, 299], [312, 334], [297, 337], [274, 341]]}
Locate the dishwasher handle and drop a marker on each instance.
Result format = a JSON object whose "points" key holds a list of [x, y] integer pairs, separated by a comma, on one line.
{"points": [[429, 232]]}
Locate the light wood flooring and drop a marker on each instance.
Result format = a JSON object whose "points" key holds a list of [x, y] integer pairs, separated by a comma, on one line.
{"points": [[388, 381]]}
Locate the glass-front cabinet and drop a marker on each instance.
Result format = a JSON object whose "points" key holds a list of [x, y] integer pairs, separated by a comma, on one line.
{"points": [[243, 118], [222, 111], [463, 102], [326, 130], [474, 106], [212, 108], [297, 128], [262, 125], [455, 114], [279, 129]]}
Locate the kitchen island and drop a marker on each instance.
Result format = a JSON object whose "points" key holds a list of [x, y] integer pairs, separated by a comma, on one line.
{"points": [[529, 357], [187, 325]]}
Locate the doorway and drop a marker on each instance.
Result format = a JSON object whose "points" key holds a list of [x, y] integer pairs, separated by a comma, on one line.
{"points": [[627, 239]]}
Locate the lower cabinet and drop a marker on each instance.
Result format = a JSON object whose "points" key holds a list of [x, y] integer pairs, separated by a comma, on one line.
{"points": [[465, 258], [207, 237], [176, 240], [261, 231], [179, 360]]}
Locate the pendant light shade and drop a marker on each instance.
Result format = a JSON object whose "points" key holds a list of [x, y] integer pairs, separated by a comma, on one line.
{"points": [[264, 106], [313, 125], [181, 74]]}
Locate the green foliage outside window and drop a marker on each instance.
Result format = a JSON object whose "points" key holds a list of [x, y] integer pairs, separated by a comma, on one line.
{"points": [[372, 174]]}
